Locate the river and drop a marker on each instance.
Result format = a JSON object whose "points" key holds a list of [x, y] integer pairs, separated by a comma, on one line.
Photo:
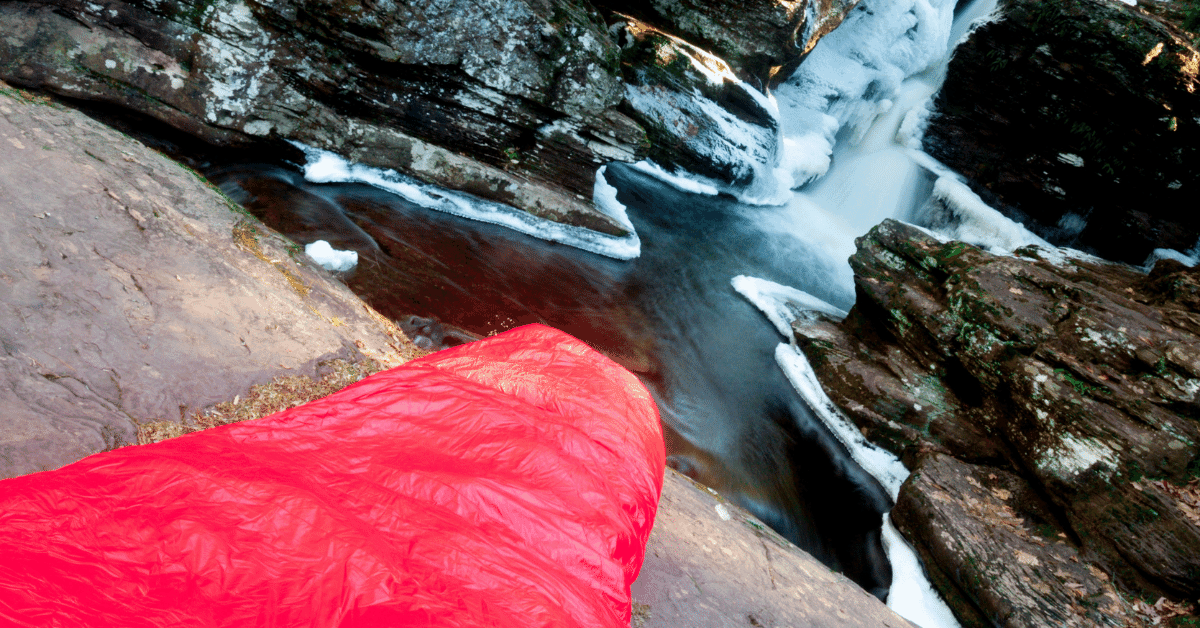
{"points": [[732, 419]]}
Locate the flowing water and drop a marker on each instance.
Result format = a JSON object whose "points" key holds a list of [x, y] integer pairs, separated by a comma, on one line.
{"points": [[732, 419]]}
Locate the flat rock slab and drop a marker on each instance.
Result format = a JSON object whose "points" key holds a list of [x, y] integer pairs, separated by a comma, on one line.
{"points": [[712, 564], [131, 290]]}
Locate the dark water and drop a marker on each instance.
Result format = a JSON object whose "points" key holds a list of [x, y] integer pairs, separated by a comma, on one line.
{"points": [[732, 420]]}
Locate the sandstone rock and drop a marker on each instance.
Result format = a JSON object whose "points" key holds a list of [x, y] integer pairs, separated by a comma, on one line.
{"points": [[1075, 377], [1082, 119], [131, 291], [512, 101], [710, 563]]}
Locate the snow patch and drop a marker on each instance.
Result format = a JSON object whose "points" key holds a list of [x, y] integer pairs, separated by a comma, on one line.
{"points": [[782, 304], [325, 167], [330, 258]]}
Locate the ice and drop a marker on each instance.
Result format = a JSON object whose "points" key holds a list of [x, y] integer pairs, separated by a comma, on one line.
{"points": [[680, 179], [782, 304], [1160, 254], [959, 214], [852, 75], [755, 149], [325, 167], [330, 258], [911, 595], [605, 198]]}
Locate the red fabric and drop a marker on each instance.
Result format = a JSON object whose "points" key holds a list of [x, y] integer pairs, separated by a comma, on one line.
{"points": [[508, 482]]}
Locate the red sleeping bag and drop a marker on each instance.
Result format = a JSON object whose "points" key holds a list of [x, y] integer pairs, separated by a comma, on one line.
{"points": [[508, 482]]}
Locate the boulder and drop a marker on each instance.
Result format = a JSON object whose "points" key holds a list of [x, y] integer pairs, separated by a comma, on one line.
{"points": [[1065, 380], [132, 292], [1081, 119]]}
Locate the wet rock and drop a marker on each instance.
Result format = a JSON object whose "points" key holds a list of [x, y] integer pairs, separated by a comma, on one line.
{"points": [[697, 114], [1070, 376], [966, 520], [512, 101], [770, 38], [1082, 119], [130, 292]]}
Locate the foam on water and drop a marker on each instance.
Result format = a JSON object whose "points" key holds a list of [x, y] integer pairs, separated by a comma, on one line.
{"points": [[325, 167]]}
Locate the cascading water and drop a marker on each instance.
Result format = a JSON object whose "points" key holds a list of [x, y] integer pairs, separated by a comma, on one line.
{"points": [[732, 418]]}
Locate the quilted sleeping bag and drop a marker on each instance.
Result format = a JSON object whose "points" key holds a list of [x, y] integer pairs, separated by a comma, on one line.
{"points": [[508, 482]]}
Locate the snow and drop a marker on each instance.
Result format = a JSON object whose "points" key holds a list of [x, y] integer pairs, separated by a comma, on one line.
{"points": [[325, 167], [781, 304], [911, 595], [330, 258]]}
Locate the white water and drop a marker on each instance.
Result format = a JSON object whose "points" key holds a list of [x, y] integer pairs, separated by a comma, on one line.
{"points": [[853, 116], [325, 167]]}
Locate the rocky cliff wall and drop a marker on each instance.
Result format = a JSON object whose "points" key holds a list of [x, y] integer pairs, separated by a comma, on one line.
{"points": [[1080, 118], [1049, 409], [517, 102]]}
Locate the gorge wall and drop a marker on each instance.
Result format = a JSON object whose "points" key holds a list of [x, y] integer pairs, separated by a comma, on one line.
{"points": [[517, 102], [1081, 119], [1048, 408]]}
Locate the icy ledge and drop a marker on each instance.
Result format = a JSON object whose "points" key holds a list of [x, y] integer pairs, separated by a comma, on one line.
{"points": [[325, 167], [911, 595]]}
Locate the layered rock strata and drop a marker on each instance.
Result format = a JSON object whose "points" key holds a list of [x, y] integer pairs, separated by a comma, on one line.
{"points": [[1082, 119], [516, 102], [1049, 409]]}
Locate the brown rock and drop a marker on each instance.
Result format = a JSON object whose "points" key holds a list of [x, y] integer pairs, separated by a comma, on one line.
{"points": [[1077, 377], [132, 291], [999, 562], [705, 569]]}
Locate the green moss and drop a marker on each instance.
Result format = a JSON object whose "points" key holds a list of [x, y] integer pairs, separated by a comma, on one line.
{"points": [[1080, 387]]}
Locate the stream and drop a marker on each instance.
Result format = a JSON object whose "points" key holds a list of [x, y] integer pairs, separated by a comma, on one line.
{"points": [[732, 420]]}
